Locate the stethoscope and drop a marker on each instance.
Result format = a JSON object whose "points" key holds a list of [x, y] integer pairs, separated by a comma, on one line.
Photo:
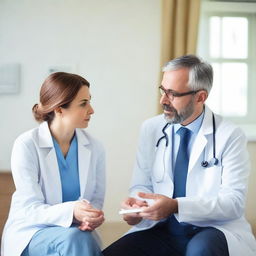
{"points": [[204, 163]]}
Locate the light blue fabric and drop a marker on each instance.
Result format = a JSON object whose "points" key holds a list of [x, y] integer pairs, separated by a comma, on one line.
{"points": [[69, 173], [60, 241]]}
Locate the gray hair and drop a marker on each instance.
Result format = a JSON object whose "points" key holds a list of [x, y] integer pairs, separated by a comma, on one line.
{"points": [[200, 72]]}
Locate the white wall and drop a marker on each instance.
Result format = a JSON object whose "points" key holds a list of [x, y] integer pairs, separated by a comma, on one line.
{"points": [[250, 204], [115, 44]]}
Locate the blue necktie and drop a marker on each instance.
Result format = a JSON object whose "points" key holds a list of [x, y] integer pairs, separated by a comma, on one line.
{"points": [[181, 165], [180, 179]]}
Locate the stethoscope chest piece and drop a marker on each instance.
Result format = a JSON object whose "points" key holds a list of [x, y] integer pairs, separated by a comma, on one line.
{"points": [[212, 162]]}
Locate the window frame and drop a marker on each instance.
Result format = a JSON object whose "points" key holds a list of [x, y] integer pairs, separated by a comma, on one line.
{"points": [[247, 10]]}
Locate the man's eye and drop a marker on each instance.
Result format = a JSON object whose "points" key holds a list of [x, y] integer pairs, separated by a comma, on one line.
{"points": [[171, 93]]}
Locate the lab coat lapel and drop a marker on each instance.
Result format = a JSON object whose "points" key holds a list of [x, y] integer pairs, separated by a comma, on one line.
{"points": [[84, 158], [201, 140], [51, 172]]}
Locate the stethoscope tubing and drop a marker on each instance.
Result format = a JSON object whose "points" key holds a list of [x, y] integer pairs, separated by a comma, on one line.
{"points": [[165, 136], [214, 137]]}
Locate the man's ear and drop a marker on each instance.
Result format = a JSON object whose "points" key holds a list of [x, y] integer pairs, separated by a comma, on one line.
{"points": [[202, 96]]}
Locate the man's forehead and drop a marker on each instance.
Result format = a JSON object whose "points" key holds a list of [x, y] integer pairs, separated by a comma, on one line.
{"points": [[175, 78]]}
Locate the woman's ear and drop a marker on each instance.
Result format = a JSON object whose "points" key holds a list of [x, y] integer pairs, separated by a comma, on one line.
{"points": [[58, 111]]}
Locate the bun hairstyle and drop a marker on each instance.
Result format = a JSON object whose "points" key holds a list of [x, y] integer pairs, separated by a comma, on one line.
{"points": [[58, 90]]}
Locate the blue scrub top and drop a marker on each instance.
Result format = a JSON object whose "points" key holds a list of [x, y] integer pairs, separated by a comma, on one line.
{"points": [[69, 173]]}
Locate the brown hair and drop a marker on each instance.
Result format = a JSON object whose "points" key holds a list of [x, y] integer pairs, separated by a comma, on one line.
{"points": [[58, 90]]}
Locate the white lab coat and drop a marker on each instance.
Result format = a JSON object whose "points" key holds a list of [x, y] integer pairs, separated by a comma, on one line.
{"points": [[37, 201], [215, 196]]}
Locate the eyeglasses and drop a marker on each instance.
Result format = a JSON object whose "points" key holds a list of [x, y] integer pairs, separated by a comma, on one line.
{"points": [[172, 94]]}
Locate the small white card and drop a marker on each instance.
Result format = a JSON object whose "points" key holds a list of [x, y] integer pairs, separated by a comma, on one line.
{"points": [[135, 210]]}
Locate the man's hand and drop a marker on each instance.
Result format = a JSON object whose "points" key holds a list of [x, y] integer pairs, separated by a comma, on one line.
{"points": [[162, 208], [130, 203], [88, 217]]}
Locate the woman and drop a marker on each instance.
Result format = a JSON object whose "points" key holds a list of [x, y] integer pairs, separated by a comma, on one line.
{"points": [[59, 174]]}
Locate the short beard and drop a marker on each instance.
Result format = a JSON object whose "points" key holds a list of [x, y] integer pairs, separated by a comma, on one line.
{"points": [[178, 118]]}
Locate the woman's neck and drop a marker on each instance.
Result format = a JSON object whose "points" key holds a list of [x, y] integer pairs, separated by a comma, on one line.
{"points": [[62, 134]]}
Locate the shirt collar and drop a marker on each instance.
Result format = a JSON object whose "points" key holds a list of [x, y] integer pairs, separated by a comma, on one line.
{"points": [[193, 126]]}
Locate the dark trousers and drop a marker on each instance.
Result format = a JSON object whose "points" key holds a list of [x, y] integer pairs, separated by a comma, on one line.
{"points": [[158, 241]]}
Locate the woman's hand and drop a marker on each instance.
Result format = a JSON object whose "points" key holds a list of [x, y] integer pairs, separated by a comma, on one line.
{"points": [[88, 217]]}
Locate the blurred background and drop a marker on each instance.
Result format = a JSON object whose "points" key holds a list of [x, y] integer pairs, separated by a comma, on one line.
{"points": [[119, 47]]}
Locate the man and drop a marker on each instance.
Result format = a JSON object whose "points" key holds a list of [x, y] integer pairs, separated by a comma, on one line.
{"points": [[190, 177]]}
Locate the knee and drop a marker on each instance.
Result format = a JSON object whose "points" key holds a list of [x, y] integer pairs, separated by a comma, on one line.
{"points": [[196, 249], [78, 237], [77, 241], [210, 242], [74, 234]]}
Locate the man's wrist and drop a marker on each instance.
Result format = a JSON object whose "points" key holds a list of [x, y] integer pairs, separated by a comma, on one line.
{"points": [[175, 206]]}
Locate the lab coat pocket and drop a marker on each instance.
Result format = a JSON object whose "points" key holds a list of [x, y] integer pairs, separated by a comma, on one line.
{"points": [[211, 180]]}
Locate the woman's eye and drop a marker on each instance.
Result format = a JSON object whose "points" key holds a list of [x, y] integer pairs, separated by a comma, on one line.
{"points": [[83, 104]]}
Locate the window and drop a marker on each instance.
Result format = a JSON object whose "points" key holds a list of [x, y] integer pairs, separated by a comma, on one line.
{"points": [[227, 40]]}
